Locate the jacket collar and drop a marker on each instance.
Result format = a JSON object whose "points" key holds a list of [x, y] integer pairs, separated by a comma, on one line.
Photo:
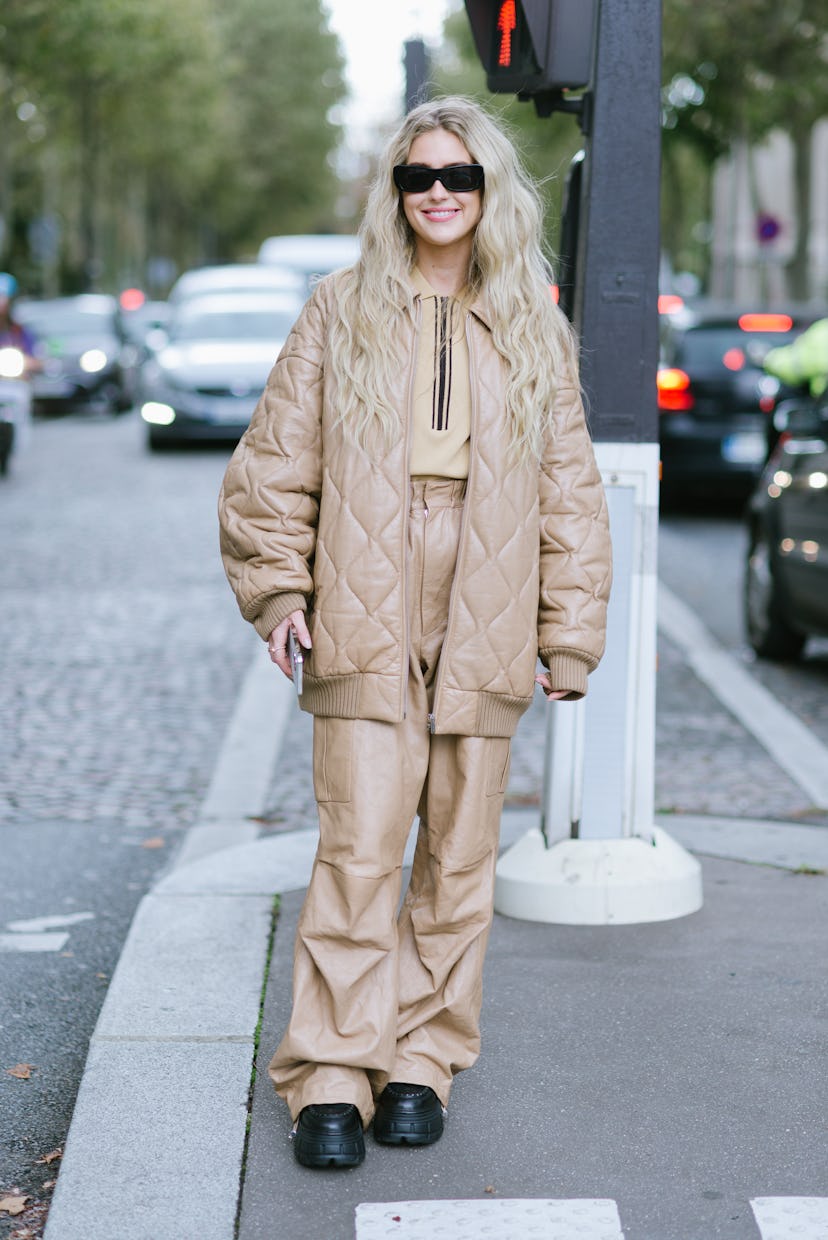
{"points": [[479, 306]]}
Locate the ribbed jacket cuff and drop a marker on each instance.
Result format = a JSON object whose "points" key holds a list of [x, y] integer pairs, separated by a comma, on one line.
{"points": [[275, 610], [568, 671]]}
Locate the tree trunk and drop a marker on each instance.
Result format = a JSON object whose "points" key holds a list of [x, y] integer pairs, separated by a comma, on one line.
{"points": [[88, 169], [798, 268]]}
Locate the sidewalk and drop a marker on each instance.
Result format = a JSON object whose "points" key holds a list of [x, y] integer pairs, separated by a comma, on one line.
{"points": [[651, 1081]]}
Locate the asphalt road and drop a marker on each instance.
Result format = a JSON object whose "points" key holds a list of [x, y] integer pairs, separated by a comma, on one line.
{"points": [[121, 656]]}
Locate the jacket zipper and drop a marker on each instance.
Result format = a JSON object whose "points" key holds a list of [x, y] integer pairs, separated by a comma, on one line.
{"points": [[406, 506], [461, 545]]}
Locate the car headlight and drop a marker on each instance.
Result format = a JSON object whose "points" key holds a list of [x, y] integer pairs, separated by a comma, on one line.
{"points": [[93, 361], [157, 413], [12, 363]]}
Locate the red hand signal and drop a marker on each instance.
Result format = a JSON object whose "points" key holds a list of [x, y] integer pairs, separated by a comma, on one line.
{"points": [[506, 22]]}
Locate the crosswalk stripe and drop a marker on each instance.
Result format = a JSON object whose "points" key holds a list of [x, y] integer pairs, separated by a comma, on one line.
{"points": [[506, 1219], [777, 1218], [32, 942], [791, 1218]]}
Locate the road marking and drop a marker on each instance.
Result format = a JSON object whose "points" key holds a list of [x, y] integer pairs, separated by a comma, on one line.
{"points": [[791, 1218], [36, 925], [789, 742], [32, 942], [507, 1219], [777, 1218]]}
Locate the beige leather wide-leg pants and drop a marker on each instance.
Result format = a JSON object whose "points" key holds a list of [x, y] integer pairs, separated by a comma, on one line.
{"points": [[379, 996]]}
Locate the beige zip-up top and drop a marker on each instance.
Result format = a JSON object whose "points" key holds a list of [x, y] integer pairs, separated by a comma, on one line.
{"points": [[310, 520], [441, 403]]}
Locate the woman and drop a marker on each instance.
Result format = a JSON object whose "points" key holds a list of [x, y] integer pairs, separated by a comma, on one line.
{"points": [[417, 499]]}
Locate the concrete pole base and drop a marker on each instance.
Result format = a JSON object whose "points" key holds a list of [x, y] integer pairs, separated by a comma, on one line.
{"points": [[598, 882]]}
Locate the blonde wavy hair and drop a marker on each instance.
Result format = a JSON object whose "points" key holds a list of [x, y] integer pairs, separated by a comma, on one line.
{"points": [[507, 267]]}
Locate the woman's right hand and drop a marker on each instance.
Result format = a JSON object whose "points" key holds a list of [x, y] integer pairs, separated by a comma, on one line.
{"points": [[277, 642]]}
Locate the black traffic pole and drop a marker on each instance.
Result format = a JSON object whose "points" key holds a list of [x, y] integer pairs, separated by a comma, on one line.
{"points": [[599, 858], [416, 73], [616, 285]]}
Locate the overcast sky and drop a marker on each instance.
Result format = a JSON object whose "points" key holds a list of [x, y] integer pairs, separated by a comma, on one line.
{"points": [[372, 33]]}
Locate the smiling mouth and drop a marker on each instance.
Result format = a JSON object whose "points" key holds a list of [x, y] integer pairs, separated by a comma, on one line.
{"points": [[445, 213]]}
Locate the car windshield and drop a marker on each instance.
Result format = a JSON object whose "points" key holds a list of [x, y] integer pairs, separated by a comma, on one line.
{"points": [[69, 322], [728, 348], [233, 325]]}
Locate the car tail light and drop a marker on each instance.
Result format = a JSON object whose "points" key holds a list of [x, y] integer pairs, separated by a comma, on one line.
{"points": [[765, 322], [734, 359], [670, 303], [674, 393]]}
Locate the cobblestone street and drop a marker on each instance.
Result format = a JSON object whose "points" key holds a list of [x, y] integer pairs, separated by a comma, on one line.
{"points": [[122, 648]]}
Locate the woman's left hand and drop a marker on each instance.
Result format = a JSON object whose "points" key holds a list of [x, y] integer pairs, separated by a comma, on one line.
{"points": [[552, 695]]}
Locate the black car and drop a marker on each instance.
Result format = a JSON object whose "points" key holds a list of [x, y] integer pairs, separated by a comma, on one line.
{"points": [[786, 575], [80, 344], [715, 400]]}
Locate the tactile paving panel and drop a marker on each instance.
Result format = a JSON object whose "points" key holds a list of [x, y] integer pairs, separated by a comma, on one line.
{"points": [[791, 1218], [489, 1220]]}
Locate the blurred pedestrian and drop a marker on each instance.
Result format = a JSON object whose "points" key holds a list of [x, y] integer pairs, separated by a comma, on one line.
{"points": [[804, 362], [17, 363], [14, 335], [417, 499]]}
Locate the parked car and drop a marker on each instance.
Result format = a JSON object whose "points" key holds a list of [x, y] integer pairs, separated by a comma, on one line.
{"points": [[235, 278], [80, 345], [204, 383], [786, 573], [715, 400], [310, 255]]}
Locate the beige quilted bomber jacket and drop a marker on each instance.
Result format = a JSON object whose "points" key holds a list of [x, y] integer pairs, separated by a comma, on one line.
{"points": [[308, 520]]}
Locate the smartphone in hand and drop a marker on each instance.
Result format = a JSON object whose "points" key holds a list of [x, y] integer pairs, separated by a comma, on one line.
{"points": [[297, 659]]}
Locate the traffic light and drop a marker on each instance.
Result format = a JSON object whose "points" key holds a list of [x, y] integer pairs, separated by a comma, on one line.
{"points": [[532, 47]]}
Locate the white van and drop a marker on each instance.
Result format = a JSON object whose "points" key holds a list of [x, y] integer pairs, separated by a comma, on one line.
{"points": [[312, 255]]}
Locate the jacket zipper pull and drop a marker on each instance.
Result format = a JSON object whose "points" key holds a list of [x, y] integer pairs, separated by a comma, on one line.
{"points": [[432, 726]]}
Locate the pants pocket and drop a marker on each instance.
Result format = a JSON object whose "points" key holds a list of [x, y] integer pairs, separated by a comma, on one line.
{"points": [[333, 741], [497, 765]]}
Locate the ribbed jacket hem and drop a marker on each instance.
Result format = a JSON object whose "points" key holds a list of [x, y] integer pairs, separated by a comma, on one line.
{"points": [[275, 610], [337, 696], [498, 714], [467, 713]]}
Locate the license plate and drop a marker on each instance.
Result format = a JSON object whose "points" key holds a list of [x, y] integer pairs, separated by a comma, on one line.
{"points": [[57, 388], [745, 448], [228, 411]]}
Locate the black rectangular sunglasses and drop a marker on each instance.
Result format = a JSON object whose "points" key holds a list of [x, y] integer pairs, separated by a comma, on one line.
{"points": [[457, 178]]}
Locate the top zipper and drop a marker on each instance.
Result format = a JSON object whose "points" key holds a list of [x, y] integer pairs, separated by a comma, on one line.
{"points": [[432, 718]]}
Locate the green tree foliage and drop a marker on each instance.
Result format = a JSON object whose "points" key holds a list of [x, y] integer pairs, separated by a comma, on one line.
{"points": [[733, 73], [283, 74], [547, 146], [186, 131]]}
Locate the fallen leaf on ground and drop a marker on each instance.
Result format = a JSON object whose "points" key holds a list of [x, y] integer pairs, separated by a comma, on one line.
{"points": [[49, 1184], [13, 1203], [155, 842], [51, 1156], [21, 1070]]}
